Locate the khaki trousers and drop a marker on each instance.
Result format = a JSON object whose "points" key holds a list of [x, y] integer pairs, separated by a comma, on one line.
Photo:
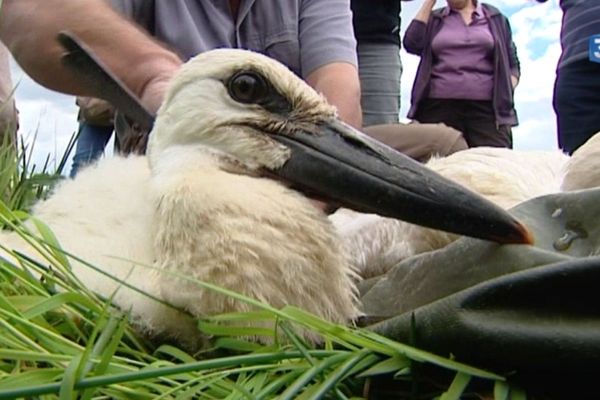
{"points": [[419, 141]]}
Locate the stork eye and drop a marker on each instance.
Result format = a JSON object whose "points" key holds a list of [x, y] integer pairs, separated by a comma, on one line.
{"points": [[247, 87]]}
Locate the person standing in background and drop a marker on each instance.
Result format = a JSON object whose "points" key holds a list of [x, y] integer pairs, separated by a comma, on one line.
{"points": [[577, 86], [468, 70], [96, 125], [377, 30], [8, 111]]}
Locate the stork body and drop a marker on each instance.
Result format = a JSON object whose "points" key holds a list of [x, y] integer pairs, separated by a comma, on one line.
{"points": [[250, 235], [211, 201], [583, 169]]}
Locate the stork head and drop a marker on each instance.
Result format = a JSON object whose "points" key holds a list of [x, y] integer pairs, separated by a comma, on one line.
{"points": [[232, 101], [260, 119]]}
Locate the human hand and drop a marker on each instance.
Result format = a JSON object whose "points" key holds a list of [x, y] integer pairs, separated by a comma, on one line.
{"points": [[514, 81], [425, 11], [149, 78], [154, 91]]}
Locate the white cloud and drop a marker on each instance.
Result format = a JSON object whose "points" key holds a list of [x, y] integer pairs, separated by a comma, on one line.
{"points": [[536, 133], [537, 76], [48, 117], [50, 125]]}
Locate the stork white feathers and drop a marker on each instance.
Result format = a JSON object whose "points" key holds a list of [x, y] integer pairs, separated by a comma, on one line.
{"points": [[583, 168], [196, 205], [506, 177]]}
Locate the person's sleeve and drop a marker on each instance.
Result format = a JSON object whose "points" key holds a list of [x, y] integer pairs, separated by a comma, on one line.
{"points": [[140, 11], [325, 34], [414, 37], [515, 65]]}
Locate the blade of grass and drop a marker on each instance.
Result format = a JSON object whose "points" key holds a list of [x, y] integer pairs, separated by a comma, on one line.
{"points": [[273, 387], [395, 363], [517, 393], [298, 344], [501, 390], [233, 344], [303, 380], [154, 373], [175, 353], [340, 373], [457, 387], [67, 385], [57, 301], [227, 330], [105, 349]]}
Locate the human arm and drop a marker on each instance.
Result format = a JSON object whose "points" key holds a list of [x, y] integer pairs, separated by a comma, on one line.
{"points": [[514, 81], [339, 83], [414, 37], [328, 55], [425, 11], [515, 66], [29, 29]]}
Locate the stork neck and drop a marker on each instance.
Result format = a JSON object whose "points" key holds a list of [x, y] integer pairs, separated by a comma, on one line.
{"points": [[174, 160]]}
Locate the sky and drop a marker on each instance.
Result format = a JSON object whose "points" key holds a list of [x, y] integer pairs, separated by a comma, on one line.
{"points": [[51, 117]]}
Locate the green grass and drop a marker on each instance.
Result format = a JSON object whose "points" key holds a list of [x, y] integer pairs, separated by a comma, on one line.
{"points": [[59, 340], [22, 183]]}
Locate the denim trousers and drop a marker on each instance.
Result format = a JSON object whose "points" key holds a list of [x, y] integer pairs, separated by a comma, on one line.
{"points": [[91, 141], [380, 69]]}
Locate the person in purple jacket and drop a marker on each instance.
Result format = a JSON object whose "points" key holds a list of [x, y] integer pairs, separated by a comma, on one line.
{"points": [[468, 71]]}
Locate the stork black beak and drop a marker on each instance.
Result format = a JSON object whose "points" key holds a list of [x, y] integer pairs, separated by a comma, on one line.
{"points": [[353, 170]]}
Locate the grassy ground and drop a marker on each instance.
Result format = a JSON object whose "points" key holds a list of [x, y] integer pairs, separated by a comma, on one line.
{"points": [[58, 340]]}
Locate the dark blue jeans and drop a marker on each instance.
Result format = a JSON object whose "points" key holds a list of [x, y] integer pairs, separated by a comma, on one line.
{"points": [[577, 103], [90, 145]]}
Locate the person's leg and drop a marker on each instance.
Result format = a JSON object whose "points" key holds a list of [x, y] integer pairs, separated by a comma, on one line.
{"points": [[419, 141], [90, 145], [481, 128], [446, 111], [577, 103], [379, 69]]}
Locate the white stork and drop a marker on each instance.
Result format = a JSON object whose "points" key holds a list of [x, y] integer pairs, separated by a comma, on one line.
{"points": [[217, 199]]}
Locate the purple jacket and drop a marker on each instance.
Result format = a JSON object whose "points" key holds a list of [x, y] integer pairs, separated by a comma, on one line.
{"points": [[417, 40]]}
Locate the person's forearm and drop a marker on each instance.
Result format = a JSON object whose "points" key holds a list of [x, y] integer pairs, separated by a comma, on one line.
{"points": [[29, 29], [425, 11], [340, 85]]}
